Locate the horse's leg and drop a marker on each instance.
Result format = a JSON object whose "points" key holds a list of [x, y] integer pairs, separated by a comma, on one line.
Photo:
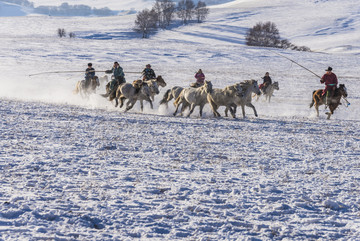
{"points": [[226, 111], [201, 109], [317, 109], [243, 110], [253, 107], [215, 112], [213, 107], [141, 105], [177, 107], [151, 104], [231, 111], [191, 110], [332, 107], [122, 98], [130, 104]]}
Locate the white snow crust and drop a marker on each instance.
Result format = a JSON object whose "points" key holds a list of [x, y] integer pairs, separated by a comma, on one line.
{"points": [[77, 168]]}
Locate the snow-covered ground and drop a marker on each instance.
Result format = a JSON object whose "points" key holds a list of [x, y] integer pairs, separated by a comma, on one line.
{"points": [[81, 169]]}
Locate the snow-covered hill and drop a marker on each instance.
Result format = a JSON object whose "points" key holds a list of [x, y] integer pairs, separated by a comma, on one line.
{"points": [[81, 169]]}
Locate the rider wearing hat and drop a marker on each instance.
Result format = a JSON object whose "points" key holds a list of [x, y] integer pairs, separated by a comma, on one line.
{"points": [[148, 73], [119, 76], [331, 81], [89, 74]]}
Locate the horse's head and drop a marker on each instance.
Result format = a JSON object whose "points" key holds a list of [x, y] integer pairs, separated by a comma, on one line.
{"points": [[255, 87], [343, 90], [160, 81], [208, 86], [154, 88], [276, 85]]}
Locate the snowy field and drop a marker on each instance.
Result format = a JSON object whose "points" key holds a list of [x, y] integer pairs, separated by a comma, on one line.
{"points": [[81, 169]]}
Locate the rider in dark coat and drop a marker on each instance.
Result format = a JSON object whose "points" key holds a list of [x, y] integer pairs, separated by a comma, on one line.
{"points": [[119, 76], [148, 73], [89, 74], [266, 82]]}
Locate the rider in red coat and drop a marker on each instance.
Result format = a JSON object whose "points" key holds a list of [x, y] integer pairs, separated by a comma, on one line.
{"points": [[330, 80]]}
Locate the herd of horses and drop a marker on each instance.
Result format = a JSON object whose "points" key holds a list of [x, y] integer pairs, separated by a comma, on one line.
{"points": [[232, 96]]}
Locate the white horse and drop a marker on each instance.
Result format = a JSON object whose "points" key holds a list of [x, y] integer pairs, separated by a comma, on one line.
{"points": [[248, 87], [195, 97], [224, 97], [128, 91], [170, 94], [85, 91], [269, 91]]}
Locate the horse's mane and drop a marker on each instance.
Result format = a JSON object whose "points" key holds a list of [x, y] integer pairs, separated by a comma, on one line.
{"points": [[246, 83]]}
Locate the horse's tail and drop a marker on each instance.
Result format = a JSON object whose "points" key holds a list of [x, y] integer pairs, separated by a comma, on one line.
{"points": [[211, 102], [178, 100], [312, 99], [165, 99]]}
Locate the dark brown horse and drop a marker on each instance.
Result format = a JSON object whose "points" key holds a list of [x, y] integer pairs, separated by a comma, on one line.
{"points": [[333, 102]]}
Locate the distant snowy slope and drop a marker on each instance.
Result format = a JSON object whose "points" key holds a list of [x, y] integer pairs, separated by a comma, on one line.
{"points": [[329, 26], [11, 10], [112, 4]]}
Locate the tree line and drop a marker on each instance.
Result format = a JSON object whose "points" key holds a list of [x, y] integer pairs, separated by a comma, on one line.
{"points": [[268, 35], [163, 13]]}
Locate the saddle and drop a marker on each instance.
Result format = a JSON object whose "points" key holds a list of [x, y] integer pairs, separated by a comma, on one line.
{"points": [[195, 85]]}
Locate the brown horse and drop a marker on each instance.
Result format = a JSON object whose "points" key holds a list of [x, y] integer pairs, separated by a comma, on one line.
{"points": [[85, 91], [333, 102]]}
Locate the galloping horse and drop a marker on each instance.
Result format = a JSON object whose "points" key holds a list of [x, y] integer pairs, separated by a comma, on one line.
{"points": [[85, 91], [128, 91], [248, 87], [194, 97], [269, 91], [160, 82], [170, 94], [333, 102], [224, 97]]}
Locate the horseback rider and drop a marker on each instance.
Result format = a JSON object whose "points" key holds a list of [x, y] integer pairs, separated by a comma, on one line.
{"points": [[118, 76], [148, 73], [89, 74], [331, 81], [200, 78], [266, 82]]}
